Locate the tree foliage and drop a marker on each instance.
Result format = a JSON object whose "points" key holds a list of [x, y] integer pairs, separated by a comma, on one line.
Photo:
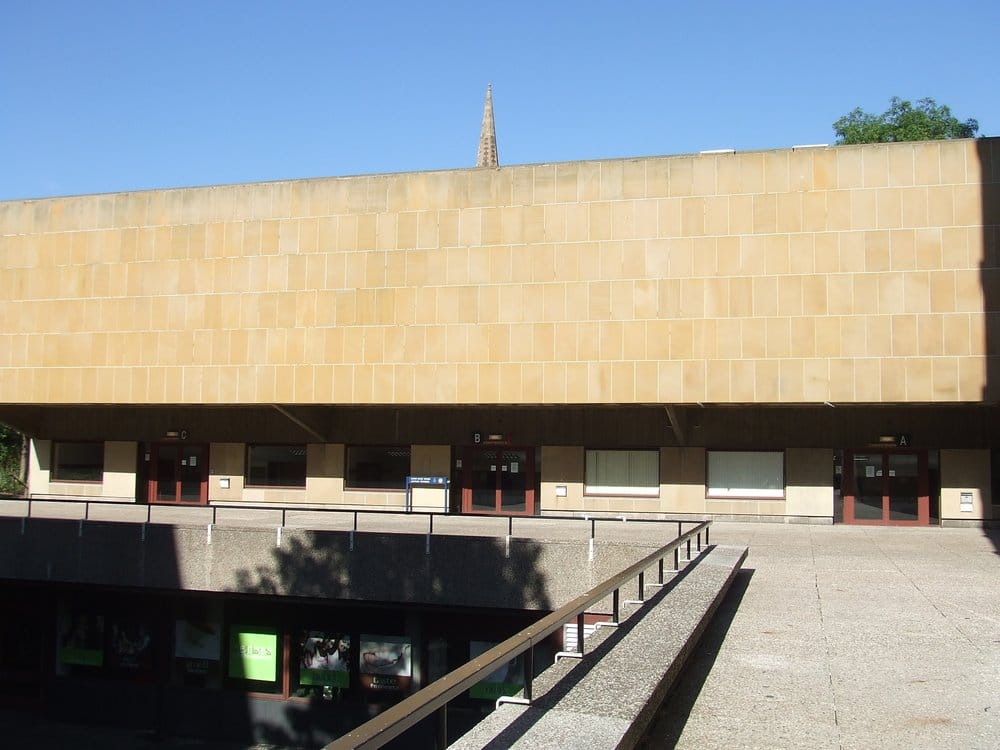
{"points": [[10, 460], [927, 121]]}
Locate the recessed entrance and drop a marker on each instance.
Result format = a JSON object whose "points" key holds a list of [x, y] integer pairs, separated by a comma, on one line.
{"points": [[498, 479], [886, 487], [179, 473]]}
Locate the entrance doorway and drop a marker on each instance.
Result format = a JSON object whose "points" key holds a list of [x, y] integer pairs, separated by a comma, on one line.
{"points": [[498, 479], [886, 487], [179, 474]]}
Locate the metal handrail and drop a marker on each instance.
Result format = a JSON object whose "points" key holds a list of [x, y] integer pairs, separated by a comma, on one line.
{"points": [[355, 512], [435, 697]]}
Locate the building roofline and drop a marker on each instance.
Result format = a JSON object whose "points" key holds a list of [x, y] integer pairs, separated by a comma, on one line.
{"points": [[503, 168]]}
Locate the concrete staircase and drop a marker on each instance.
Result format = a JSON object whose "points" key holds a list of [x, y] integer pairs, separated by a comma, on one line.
{"points": [[609, 698]]}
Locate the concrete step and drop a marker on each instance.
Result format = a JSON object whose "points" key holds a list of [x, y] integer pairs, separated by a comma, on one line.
{"points": [[609, 698]]}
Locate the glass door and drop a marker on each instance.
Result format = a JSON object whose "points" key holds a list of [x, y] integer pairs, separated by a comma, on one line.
{"points": [[499, 480], [179, 474], [886, 488]]}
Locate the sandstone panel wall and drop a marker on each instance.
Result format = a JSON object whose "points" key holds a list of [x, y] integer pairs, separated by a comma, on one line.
{"points": [[848, 274]]}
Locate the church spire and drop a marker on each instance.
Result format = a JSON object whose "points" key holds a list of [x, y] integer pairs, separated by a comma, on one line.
{"points": [[488, 136]]}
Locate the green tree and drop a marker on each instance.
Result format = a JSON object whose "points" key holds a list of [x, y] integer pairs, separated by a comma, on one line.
{"points": [[11, 442], [928, 121]]}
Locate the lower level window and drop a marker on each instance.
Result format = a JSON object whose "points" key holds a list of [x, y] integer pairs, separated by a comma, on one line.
{"points": [[749, 474], [77, 462], [378, 467], [622, 473], [276, 466]]}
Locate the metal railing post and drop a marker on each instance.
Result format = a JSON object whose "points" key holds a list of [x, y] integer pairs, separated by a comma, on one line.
{"points": [[642, 586], [442, 727], [614, 607], [706, 535], [677, 558], [529, 671], [660, 571], [699, 541], [579, 633], [689, 548]]}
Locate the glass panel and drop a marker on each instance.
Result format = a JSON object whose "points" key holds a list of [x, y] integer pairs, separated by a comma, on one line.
{"points": [[622, 472], [746, 474], [276, 466], [191, 472], [868, 487], [166, 473], [514, 482], [483, 477], [903, 487], [78, 462], [377, 467]]}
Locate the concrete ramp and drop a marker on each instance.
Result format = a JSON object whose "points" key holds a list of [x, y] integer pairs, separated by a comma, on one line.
{"points": [[608, 699]]}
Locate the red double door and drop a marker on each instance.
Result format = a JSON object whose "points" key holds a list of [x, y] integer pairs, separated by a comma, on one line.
{"points": [[498, 479], [886, 487], [178, 473]]}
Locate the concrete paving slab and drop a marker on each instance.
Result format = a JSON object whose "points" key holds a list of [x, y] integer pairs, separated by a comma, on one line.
{"points": [[248, 517], [848, 637], [118, 513], [181, 515], [57, 509], [318, 520], [15, 508]]}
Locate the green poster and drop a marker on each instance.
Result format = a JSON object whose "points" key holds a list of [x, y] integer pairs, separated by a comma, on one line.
{"points": [[253, 655], [507, 680], [81, 639]]}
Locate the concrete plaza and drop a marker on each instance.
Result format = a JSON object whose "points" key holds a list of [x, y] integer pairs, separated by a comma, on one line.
{"points": [[847, 637], [832, 637]]}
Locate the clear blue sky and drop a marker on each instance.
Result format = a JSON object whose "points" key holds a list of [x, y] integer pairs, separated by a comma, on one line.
{"points": [[104, 96]]}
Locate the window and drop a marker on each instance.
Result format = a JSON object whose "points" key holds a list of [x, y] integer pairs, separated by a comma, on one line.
{"points": [[77, 462], [276, 466], [748, 474], [622, 473], [378, 467]]}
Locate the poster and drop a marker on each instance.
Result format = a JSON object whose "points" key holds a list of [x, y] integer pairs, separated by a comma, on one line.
{"points": [[325, 659], [81, 639], [198, 646], [507, 680], [385, 662], [253, 654], [131, 641], [195, 639]]}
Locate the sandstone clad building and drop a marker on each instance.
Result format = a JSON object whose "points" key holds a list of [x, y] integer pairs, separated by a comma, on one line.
{"points": [[803, 334]]}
